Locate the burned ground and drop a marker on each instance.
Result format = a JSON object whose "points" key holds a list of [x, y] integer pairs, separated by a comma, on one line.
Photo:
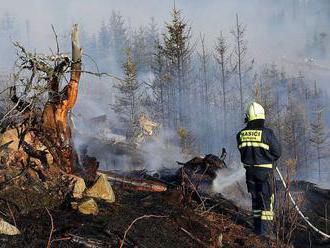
{"points": [[108, 228], [168, 219]]}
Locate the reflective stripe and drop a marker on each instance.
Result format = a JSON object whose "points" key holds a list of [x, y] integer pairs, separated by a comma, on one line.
{"points": [[259, 165], [254, 144], [256, 213], [264, 165], [269, 218], [267, 215], [272, 199]]}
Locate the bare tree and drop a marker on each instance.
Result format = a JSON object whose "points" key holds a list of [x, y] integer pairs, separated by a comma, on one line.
{"points": [[318, 135], [204, 58], [222, 57], [241, 67]]}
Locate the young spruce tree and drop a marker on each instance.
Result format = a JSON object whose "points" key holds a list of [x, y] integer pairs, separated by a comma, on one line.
{"points": [[127, 103]]}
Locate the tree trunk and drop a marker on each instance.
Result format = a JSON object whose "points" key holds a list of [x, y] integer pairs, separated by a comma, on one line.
{"points": [[239, 57], [56, 133], [319, 160]]}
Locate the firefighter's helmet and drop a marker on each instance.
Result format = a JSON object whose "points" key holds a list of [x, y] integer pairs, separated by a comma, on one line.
{"points": [[255, 111]]}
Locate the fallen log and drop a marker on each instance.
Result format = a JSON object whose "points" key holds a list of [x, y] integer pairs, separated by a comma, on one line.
{"points": [[136, 184]]}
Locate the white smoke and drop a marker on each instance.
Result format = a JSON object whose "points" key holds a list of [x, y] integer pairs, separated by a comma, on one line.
{"points": [[230, 182], [160, 152]]}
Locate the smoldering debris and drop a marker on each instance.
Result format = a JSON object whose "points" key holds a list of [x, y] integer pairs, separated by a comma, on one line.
{"points": [[230, 182], [156, 148]]}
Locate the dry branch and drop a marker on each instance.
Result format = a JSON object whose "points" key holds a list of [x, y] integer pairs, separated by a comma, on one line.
{"points": [[21, 173], [194, 238], [86, 242], [134, 221], [51, 229], [11, 214], [137, 184]]}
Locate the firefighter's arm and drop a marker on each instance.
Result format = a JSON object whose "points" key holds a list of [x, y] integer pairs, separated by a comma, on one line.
{"points": [[274, 146], [237, 139]]}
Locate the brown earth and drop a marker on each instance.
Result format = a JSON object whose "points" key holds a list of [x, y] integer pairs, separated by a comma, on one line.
{"points": [[180, 227]]}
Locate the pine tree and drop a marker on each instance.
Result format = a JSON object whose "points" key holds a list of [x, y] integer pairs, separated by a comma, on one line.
{"points": [[127, 103], [138, 45], [176, 49], [318, 135], [103, 40], [118, 37], [152, 41], [159, 86]]}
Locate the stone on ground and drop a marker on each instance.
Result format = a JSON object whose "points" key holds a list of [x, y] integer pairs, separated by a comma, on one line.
{"points": [[88, 207], [102, 190], [79, 187], [8, 229]]}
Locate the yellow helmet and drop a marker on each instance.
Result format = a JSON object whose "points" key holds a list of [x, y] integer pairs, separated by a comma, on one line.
{"points": [[255, 111]]}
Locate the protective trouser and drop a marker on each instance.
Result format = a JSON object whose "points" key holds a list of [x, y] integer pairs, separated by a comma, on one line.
{"points": [[260, 184]]}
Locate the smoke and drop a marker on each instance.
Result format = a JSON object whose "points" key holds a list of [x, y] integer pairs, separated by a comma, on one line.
{"points": [[96, 125], [292, 34], [278, 29], [231, 184], [161, 153]]}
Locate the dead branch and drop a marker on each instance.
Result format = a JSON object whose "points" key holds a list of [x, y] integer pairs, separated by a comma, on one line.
{"points": [[194, 188], [32, 152], [60, 239], [11, 214], [87, 242], [100, 74], [7, 115], [56, 39], [210, 208], [51, 230], [134, 221], [21, 173], [194, 238], [137, 184]]}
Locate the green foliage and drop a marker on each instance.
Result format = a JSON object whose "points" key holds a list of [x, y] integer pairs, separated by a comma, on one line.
{"points": [[127, 103]]}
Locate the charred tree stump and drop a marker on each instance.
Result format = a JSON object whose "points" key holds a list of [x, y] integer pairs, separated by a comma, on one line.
{"points": [[55, 132]]}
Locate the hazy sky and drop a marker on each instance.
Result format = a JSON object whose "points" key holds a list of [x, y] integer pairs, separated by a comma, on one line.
{"points": [[270, 38]]}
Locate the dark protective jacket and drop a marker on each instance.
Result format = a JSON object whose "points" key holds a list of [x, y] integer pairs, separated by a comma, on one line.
{"points": [[258, 145]]}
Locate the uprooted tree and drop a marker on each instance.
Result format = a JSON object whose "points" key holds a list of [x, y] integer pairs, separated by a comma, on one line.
{"points": [[35, 123]]}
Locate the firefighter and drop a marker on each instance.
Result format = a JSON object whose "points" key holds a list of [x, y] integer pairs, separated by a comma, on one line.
{"points": [[259, 150]]}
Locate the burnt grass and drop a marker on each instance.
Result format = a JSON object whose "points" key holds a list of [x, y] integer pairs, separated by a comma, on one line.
{"points": [[72, 229], [182, 224]]}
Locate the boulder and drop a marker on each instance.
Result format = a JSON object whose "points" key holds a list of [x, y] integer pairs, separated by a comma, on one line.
{"points": [[102, 189], [8, 229], [79, 187], [88, 207]]}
